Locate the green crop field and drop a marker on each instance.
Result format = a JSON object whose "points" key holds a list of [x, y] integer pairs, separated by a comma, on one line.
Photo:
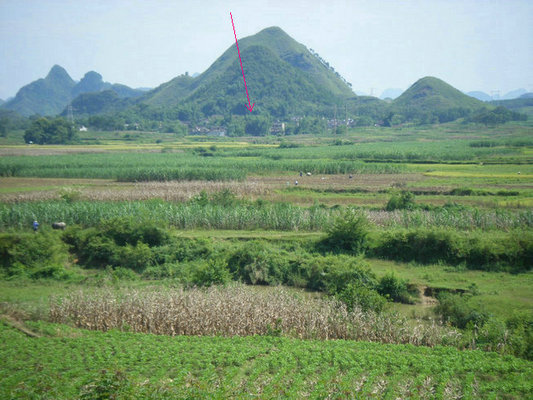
{"points": [[380, 263]]}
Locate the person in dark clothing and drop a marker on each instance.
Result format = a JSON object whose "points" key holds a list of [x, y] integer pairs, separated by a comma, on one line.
{"points": [[35, 226]]}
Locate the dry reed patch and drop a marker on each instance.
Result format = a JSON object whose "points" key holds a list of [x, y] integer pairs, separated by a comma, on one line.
{"points": [[237, 310], [106, 190], [48, 151]]}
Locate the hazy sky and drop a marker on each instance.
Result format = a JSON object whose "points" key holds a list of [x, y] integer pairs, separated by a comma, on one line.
{"points": [[472, 44]]}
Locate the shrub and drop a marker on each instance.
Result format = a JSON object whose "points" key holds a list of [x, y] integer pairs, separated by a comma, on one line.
{"points": [[349, 233], [212, 272], [332, 274], [456, 310], [366, 299], [393, 288], [40, 255], [404, 201], [256, 263]]}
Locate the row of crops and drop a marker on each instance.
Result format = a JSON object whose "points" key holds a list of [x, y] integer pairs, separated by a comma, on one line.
{"points": [[253, 215], [174, 166], [68, 363]]}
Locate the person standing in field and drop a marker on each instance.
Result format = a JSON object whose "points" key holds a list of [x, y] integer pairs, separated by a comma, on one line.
{"points": [[35, 226]]}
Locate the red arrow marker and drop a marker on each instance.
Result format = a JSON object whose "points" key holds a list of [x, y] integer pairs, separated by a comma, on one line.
{"points": [[249, 107]]}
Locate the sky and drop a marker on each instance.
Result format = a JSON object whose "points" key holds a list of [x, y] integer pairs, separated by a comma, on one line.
{"points": [[482, 45]]}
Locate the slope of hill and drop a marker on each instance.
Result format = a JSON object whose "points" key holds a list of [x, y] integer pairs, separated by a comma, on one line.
{"points": [[46, 96], [431, 98], [2, 102], [290, 57], [274, 86]]}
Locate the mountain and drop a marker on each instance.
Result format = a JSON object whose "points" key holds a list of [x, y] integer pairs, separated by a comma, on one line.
{"points": [[98, 102], [1, 102], [50, 96], [282, 75], [480, 96], [391, 93], [514, 94], [46, 96], [430, 99], [528, 95], [91, 82]]}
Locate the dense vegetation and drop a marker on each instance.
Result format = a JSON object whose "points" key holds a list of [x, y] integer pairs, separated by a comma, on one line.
{"points": [[125, 365], [418, 236], [45, 131]]}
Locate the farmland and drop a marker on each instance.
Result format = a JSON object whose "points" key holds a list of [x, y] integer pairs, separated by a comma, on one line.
{"points": [[382, 262]]}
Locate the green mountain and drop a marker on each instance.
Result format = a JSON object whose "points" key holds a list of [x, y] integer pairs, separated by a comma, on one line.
{"points": [[280, 73], [46, 96], [432, 98], [50, 96], [1, 102], [91, 82], [98, 102]]}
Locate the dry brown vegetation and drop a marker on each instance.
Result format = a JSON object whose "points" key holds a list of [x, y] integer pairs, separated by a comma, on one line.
{"points": [[238, 310]]}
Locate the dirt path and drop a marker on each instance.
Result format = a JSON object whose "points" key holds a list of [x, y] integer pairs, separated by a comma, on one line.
{"points": [[427, 301], [18, 326]]}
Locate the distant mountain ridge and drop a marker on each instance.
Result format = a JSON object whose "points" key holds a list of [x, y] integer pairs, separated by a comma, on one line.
{"points": [[50, 95], [480, 95]]}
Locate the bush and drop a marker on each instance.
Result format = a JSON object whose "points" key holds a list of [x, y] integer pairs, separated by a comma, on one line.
{"points": [[349, 233], [404, 201], [257, 263], [456, 310], [213, 272], [394, 288], [37, 255], [354, 295], [332, 274]]}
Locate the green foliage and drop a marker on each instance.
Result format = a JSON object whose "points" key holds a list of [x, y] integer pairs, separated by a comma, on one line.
{"points": [[213, 272], [498, 115], [458, 311], [257, 126], [355, 295], [478, 250], [37, 255], [55, 131], [108, 385], [394, 288], [404, 201], [185, 367], [348, 233], [256, 263], [118, 242]]}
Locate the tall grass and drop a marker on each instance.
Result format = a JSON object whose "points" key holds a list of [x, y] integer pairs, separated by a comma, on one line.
{"points": [[245, 215], [238, 310], [172, 166]]}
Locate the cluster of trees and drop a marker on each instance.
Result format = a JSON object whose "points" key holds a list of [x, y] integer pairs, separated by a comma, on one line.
{"points": [[50, 131], [499, 115]]}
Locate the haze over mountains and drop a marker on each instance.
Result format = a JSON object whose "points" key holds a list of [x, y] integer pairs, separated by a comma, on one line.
{"points": [[50, 95], [284, 78]]}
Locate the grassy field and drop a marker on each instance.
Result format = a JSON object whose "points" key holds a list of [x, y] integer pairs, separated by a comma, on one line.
{"points": [[65, 363], [260, 210]]}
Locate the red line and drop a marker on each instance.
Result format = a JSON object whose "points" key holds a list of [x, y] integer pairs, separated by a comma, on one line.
{"points": [[239, 52]]}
